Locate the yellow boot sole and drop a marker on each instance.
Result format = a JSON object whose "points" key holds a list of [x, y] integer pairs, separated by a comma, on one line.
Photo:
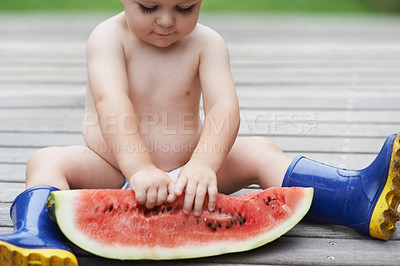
{"points": [[11, 255], [385, 214]]}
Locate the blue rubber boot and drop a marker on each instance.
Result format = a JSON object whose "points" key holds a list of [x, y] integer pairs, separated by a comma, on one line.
{"points": [[36, 240], [365, 200]]}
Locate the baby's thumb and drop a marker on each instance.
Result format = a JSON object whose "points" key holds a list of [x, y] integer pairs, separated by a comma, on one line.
{"points": [[171, 192]]}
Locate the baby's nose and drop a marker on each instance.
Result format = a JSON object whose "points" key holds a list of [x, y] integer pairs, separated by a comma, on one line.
{"points": [[166, 20]]}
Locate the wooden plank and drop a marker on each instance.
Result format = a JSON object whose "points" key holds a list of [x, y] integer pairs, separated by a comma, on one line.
{"points": [[5, 220], [286, 250], [292, 250], [12, 172], [348, 65], [315, 104], [15, 155], [48, 102], [42, 90], [349, 116], [318, 129], [6, 230], [39, 139], [10, 190]]}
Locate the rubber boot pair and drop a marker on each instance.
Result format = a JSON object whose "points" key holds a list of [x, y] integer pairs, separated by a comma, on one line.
{"points": [[36, 240], [365, 200]]}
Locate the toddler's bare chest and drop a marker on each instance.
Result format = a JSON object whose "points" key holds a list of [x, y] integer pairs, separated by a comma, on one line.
{"points": [[163, 77]]}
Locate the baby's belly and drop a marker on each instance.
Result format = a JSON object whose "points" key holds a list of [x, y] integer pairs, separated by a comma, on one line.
{"points": [[169, 148], [170, 151]]}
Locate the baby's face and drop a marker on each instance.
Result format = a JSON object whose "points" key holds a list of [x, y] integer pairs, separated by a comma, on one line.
{"points": [[161, 22]]}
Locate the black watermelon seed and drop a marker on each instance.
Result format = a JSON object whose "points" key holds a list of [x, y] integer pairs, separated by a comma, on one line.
{"points": [[197, 221], [111, 208], [163, 210], [169, 209], [183, 222], [155, 210], [240, 215], [219, 210], [228, 226], [218, 224], [244, 220], [208, 224], [231, 222], [213, 228]]}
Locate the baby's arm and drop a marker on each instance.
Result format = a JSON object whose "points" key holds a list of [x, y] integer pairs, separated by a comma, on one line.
{"points": [[219, 129], [109, 84]]}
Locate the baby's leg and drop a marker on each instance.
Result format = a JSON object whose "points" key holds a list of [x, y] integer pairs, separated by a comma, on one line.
{"points": [[366, 200], [252, 160], [70, 168]]}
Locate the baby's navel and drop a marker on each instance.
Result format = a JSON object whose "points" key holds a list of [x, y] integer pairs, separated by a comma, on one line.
{"points": [[188, 93]]}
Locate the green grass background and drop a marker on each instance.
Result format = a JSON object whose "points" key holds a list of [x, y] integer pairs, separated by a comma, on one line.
{"points": [[273, 6]]}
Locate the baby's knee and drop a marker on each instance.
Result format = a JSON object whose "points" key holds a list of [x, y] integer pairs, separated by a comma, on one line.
{"points": [[50, 156]]}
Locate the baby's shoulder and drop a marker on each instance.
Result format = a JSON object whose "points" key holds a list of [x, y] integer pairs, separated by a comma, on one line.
{"points": [[206, 36], [110, 31]]}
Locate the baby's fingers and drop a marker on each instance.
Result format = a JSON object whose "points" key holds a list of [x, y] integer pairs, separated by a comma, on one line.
{"points": [[171, 192], [180, 185], [151, 198], [161, 195], [140, 195], [212, 197], [189, 197], [198, 204]]}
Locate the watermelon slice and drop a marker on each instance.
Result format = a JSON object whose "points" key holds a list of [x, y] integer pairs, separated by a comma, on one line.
{"points": [[109, 223]]}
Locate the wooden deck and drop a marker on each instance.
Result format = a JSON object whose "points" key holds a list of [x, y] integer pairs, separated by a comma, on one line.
{"points": [[324, 87]]}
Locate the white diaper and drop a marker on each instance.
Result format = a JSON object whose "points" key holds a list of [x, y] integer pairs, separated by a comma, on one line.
{"points": [[173, 174]]}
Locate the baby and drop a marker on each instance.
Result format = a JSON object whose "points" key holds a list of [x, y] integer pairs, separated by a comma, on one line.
{"points": [[148, 69]]}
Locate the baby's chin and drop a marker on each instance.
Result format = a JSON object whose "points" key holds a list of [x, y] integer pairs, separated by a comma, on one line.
{"points": [[162, 44]]}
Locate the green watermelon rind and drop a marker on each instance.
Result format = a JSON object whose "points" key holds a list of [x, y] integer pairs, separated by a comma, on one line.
{"points": [[63, 211]]}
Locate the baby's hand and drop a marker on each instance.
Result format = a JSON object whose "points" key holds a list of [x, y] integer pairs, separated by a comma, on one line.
{"points": [[151, 186], [198, 179]]}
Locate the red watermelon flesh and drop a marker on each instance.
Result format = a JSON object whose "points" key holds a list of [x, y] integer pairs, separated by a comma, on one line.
{"points": [[111, 224]]}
